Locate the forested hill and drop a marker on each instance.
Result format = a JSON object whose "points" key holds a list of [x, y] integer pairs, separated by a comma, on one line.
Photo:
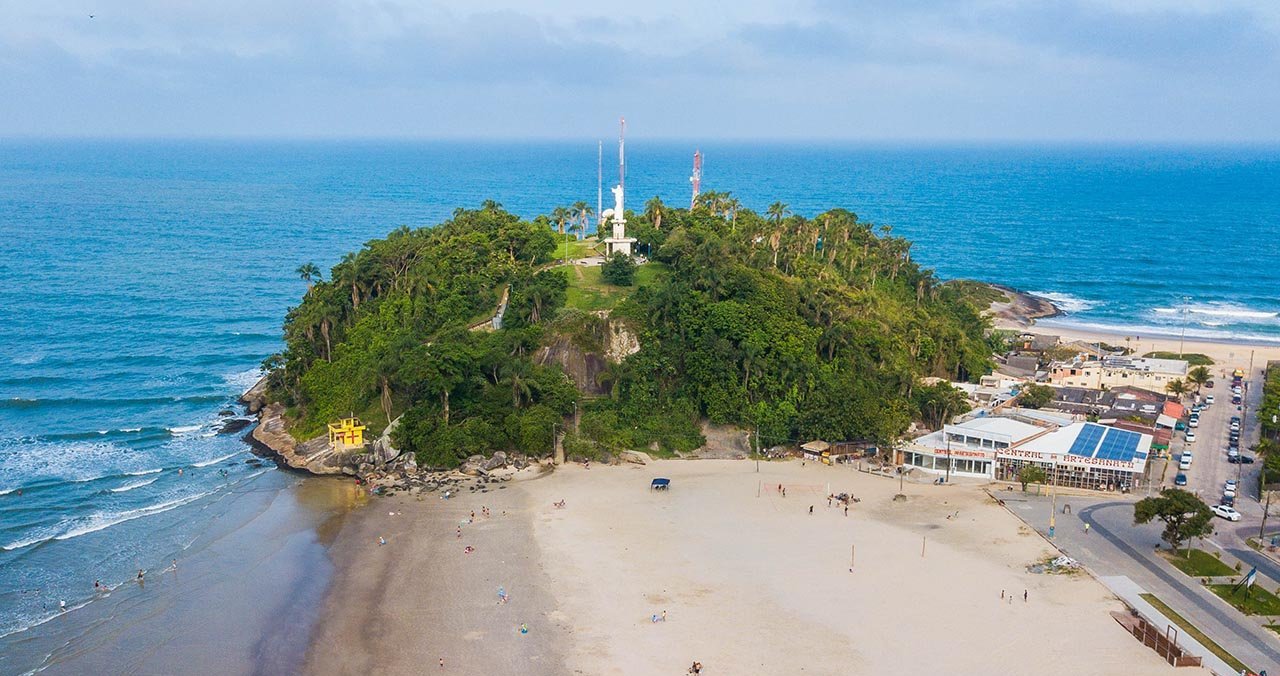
{"points": [[797, 327]]}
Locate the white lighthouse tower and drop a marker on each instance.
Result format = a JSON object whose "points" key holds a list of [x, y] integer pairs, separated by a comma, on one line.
{"points": [[618, 242]]}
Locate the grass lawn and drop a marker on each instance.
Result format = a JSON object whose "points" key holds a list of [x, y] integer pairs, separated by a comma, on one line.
{"points": [[1193, 358], [1195, 633], [575, 249], [1199, 564], [1258, 602], [589, 292]]}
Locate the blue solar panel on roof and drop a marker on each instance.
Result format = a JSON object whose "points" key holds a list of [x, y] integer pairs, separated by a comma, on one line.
{"points": [[1087, 440], [1119, 445]]}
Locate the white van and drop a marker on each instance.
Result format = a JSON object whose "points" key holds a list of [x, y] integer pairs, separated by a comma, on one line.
{"points": [[1185, 461]]}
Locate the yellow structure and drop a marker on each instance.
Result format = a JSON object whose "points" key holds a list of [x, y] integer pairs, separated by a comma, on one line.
{"points": [[346, 433]]}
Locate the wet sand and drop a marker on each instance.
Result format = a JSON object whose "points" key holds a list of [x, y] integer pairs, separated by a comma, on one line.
{"points": [[241, 600]]}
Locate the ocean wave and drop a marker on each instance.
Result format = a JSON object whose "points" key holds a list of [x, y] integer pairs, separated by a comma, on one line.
{"points": [[214, 461], [185, 429], [134, 484], [1224, 311], [25, 403], [1168, 331], [103, 520], [144, 472], [241, 381], [1066, 301]]}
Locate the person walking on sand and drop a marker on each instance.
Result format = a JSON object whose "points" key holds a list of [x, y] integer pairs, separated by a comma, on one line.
{"points": [[459, 531], [810, 509], [441, 662], [1086, 529], [846, 510], [1024, 596]]}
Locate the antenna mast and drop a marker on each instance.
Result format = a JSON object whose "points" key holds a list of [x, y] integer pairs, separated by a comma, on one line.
{"points": [[599, 182], [696, 178], [622, 157]]}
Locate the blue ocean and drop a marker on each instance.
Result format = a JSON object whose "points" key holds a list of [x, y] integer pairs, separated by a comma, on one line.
{"points": [[145, 281]]}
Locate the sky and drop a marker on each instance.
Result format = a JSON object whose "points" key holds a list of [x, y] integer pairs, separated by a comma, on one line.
{"points": [[1189, 71]]}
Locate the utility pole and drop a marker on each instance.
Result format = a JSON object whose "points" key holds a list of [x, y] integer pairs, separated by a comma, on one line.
{"points": [[1185, 309], [599, 182], [1053, 501], [1262, 530]]}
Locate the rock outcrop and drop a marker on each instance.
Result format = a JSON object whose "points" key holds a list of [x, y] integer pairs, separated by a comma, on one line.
{"points": [[313, 455]]}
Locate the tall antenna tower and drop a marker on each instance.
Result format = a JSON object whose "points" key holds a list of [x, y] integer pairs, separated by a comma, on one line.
{"points": [[622, 155], [696, 178], [599, 182]]}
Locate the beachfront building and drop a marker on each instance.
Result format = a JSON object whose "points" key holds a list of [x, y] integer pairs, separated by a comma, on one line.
{"points": [[1076, 453], [1150, 374]]}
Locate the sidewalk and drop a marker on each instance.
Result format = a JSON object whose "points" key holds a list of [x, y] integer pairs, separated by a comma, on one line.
{"points": [[1128, 591]]}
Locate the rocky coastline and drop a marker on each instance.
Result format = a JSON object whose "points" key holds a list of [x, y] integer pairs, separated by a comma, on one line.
{"points": [[1022, 308], [378, 464]]}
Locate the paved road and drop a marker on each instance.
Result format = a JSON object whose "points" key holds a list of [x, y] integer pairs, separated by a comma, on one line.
{"points": [[1118, 547]]}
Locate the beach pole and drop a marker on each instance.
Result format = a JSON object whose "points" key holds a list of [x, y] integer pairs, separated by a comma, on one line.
{"points": [[758, 488], [853, 555], [923, 539]]}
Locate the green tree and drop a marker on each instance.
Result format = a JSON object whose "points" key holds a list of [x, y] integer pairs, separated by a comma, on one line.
{"points": [[310, 273], [619, 270], [1198, 376], [1031, 474], [1185, 516], [1036, 396], [778, 211], [939, 403], [1176, 387]]}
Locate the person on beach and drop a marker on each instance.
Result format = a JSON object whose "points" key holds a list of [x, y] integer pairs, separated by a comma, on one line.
{"points": [[97, 585], [441, 662], [62, 606], [846, 510], [1086, 529], [381, 541], [141, 574], [459, 531], [810, 510], [1024, 596]]}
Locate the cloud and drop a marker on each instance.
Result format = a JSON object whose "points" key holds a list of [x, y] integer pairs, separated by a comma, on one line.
{"points": [[1055, 69]]}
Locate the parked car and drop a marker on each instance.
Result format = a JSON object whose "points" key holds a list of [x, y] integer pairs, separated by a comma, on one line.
{"points": [[1231, 483], [1209, 400], [1226, 512], [1240, 459], [1210, 386], [1185, 461], [1180, 480], [1235, 399], [1229, 491], [1191, 437], [1228, 501], [1233, 453], [1193, 422]]}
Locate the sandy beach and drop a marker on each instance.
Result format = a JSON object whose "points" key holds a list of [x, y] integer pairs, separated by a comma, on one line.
{"points": [[1226, 355], [751, 582]]}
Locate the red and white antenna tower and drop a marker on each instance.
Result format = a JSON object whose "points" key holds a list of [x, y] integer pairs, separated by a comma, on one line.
{"points": [[696, 178]]}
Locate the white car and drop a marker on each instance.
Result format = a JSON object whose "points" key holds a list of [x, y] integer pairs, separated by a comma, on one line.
{"points": [[1191, 437], [1229, 491], [1193, 422], [1185, 461], [1209, 400], [1228, 513]]}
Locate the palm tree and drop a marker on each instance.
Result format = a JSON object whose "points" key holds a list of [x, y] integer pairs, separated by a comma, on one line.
{"points": [[1176, 387], [1199, 376], [653, 209], [778, 211], [558, 216], [578, 214], [310, 273], [584, 219]]}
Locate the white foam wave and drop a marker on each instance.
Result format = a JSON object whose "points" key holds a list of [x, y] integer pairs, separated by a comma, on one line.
{"points": [[6, 491], [130, 429], [206, 463], [135, 484], [1225, 311], [1067, 302], [184, 429], [103, 520], [1165, 331], [241, 381], [143, 472]]}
